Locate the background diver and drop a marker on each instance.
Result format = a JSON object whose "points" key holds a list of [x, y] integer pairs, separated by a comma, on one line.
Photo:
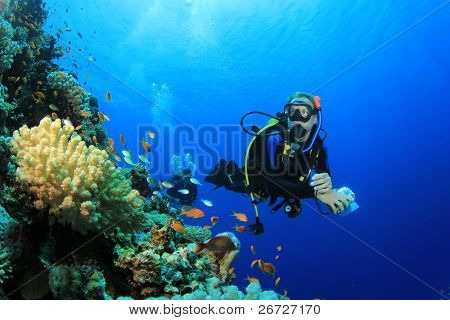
{"points": [[285, 159], [184, 169]]}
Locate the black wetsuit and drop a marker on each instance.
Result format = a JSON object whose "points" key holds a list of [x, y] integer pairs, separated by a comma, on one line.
{"points": [[271, 173], [290, 175]]}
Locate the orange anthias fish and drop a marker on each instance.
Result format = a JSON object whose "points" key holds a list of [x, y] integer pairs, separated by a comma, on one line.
{"points": [[253, 249], [151, 135], [122, 140], [79, 127], [177, 226], [254, 262], [145, 145], [207, 227], [250, 280], [86, 114], [94, 139], [240, 216], [214, 220], [267, 267], [101, 118], [108, 96], [239, 228], [277, 282], [194, 213], [111, 142], [260, 264]]}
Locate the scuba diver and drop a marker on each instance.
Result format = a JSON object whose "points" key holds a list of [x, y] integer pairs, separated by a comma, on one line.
{"points": [[184, 191], [286, 159]]}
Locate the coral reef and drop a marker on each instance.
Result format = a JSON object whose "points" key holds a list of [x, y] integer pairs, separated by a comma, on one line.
{"points": [[154, 271], [80, 185], [161, 263], [60, 190]]}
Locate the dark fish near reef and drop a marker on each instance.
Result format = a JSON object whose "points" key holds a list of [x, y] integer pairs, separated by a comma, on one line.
{"points": [[214, 220], [219, 244]]}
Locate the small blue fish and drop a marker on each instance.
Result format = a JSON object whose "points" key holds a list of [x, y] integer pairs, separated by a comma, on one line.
{"points": [[129, 161], [126, 153], [143, 159], [183, 191], [152, 181], [195, 181], [207, 203]]}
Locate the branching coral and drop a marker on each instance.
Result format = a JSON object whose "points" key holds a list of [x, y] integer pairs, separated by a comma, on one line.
{"points": [[80, 185], [8, 47], [5, 109], [77, 98], [77, 105], [4, 7], [8, 247], [196, 234], [138, 175], [77, 282]]}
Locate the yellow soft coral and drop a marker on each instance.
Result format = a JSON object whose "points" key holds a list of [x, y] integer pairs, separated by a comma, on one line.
{"points": [[79, 185]]}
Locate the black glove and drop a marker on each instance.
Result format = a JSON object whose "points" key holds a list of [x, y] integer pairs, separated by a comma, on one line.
{"points": [[257, 228]]}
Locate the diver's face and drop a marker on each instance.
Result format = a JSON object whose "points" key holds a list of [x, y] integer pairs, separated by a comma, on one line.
{"points": [[304, 111]]}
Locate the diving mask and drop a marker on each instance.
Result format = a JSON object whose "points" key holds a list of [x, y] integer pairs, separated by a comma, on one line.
{"points": [[300, 115]]}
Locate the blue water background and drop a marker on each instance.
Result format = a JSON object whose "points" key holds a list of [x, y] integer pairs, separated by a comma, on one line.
{"points": [[208, 62]]}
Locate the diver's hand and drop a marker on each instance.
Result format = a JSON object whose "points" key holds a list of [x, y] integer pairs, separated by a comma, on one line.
{"points": [[337, 201], [322, 183]]}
